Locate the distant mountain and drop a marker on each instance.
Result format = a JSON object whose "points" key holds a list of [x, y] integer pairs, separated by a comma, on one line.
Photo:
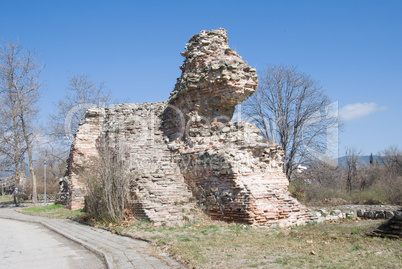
{"points": [[361, 160]]}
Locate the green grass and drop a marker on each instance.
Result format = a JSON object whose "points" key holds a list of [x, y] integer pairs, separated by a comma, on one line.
{"points": [[43, 208], [53, 211]]}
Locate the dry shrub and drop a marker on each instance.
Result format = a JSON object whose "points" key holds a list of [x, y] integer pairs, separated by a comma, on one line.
{"points": [[315, 194], [387, 189], [383, 190], [374, 183], [52, 186], [107, 185]]}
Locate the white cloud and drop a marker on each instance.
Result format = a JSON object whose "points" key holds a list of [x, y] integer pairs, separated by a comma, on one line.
{"points": [[358, 110]]}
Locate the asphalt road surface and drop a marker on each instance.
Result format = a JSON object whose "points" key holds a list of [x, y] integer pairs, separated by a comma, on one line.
{"points": [[30, 245]]}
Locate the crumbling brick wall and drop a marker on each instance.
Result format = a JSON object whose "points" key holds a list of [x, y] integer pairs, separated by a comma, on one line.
{"points": [[187, 150]]}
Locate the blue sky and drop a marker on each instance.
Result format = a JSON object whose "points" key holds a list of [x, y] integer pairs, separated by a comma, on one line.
{"points": [[354, 48]]}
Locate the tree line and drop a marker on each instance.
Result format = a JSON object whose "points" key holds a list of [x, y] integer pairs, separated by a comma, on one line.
{"points": [[351, 181]]}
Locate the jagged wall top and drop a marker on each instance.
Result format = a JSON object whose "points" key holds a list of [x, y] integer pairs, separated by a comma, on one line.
{"points": [[214, 78], [208, 43]]}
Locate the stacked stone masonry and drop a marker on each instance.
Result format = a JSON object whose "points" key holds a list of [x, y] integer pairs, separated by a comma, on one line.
{"points": [[391, 228], [355, 211], [185, 152]]}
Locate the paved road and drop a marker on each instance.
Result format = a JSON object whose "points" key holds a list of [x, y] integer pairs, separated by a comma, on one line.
{"points": [[117, 251], [30, 245]]}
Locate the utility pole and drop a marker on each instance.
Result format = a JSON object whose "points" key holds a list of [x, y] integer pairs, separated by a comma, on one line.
{"points": [[44, 193]]}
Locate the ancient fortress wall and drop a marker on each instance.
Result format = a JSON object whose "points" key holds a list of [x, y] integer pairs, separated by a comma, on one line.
{"points": [[186, 151]]}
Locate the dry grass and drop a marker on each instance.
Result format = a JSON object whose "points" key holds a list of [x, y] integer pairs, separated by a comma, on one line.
{"points": [[6, 199], [212, 244], [222, 245], [320, 195]]}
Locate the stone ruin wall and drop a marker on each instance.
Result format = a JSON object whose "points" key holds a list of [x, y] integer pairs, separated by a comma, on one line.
{"points": [[157, 188], [186, 151]]}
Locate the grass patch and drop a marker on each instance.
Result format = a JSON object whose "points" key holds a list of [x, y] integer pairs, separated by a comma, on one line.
{"points": [[222, 245], [7, 199], [53, 211], [43, 208], [357, 247]]}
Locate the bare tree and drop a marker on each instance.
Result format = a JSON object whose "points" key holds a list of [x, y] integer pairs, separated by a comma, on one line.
{"points": [[12, 148], [20, 91], [108, 182], [82, 93], [50, 152], [352, 159], [391, 158], [325, 173], [291, 109]]}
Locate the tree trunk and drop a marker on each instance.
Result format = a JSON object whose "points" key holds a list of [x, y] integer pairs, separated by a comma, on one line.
{"points": [[17, 149], [29, 151], [31, 169]]}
